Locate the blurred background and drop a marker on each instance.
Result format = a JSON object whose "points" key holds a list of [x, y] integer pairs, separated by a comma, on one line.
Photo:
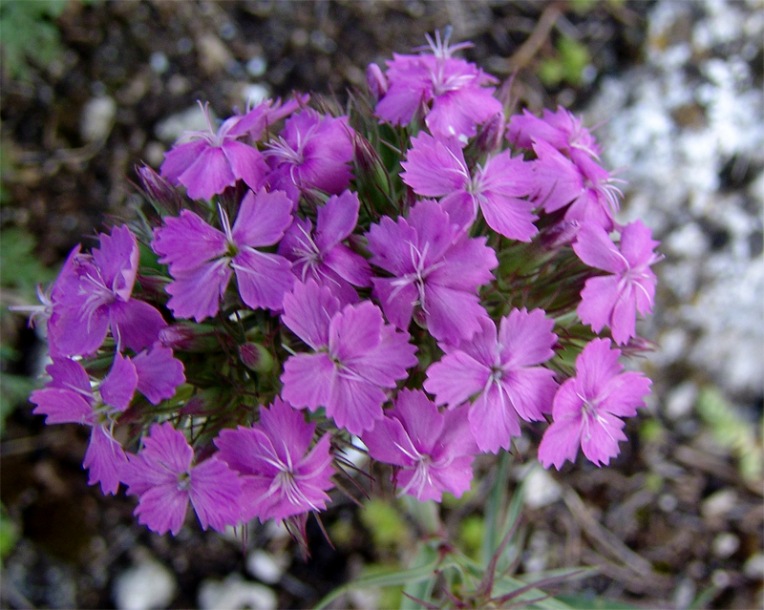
{"points": [[674, 90]]}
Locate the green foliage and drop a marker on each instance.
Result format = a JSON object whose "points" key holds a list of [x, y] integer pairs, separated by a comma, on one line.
{"points": [[28, 34], [20, 268], [385, 523], [732, 432], [567, 65], [9, 533]]}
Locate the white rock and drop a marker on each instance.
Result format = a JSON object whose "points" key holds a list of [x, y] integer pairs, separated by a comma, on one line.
{"points": [[174, 126], [234, 593], [540, 487], [145, 586], [97, 118], [265, 567]]}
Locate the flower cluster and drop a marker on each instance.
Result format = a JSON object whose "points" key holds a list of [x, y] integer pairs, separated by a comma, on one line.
{"points": [[421, 276]]}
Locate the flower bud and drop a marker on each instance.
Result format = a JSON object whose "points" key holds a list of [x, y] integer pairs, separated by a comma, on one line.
{"points": [[376, 81], [190, 337], [255, 357], [160, 192]]}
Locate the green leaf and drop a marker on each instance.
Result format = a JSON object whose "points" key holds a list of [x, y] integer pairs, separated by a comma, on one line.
{"points": [[21, 269]]}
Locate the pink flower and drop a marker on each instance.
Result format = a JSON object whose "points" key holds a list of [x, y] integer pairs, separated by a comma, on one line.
{"points": [[320, 254], [629, 287], [312, 152], [433, 451], [500, 374], [436, 168], [163, 478], [449, 92], [561, 129], [588, 407], [93, 294], [202, 259], [70, 398], [357, 357], [578, 183], [436, 271], [281, 476], [208, 162]]}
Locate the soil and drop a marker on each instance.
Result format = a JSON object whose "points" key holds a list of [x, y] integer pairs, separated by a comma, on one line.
{"points": [[654, 523]]}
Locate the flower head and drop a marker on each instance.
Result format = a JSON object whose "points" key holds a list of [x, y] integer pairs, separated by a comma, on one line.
{"points": [[500, 374], [436, 168], [320, 253], [433, 451], [587, 408], [208, 162], [281, 475], [436, 271], [449, 92], [164, 479], [202, 258], [312, 152], [356, 357], [93, 294], [628, 288]]}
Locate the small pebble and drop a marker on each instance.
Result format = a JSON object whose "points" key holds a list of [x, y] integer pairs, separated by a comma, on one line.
{"points": [[146, 585], [234, 593], [97, 118]]}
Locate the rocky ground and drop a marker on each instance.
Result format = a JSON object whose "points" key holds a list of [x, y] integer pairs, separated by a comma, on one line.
{"points": [[675, 88]]}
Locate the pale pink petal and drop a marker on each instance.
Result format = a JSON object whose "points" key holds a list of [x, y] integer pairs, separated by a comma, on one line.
{"points": [[599, 438], [493, 421], [526, 338], [336, 219], [598, 298], [560, 443], [594, 247]]}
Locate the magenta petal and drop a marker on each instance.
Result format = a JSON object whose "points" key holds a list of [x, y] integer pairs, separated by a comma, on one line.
{"points": [[526, 338], [215, 494], [104, 460], [424, 423], [197, 294], [118, 387], [435, 167], [62, 406], [594, 247], [493, 421], [287, 426], [623, 321], [209, 175], [135, 324], [117, 261], [456, 378], [397, 301], [308, 380], [167, 447], [348, 265], [263, 278], [560, 443], [246, 163], [186, 242], [177, 160], [68, 374], [336, 219], [531, 391], [509, 216], [159, 373], [355, 404], [452, 315], [80, 332], [388, 442], [163, 509], [262, 219], [598, 298], [599, 438], [308, 310]]}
